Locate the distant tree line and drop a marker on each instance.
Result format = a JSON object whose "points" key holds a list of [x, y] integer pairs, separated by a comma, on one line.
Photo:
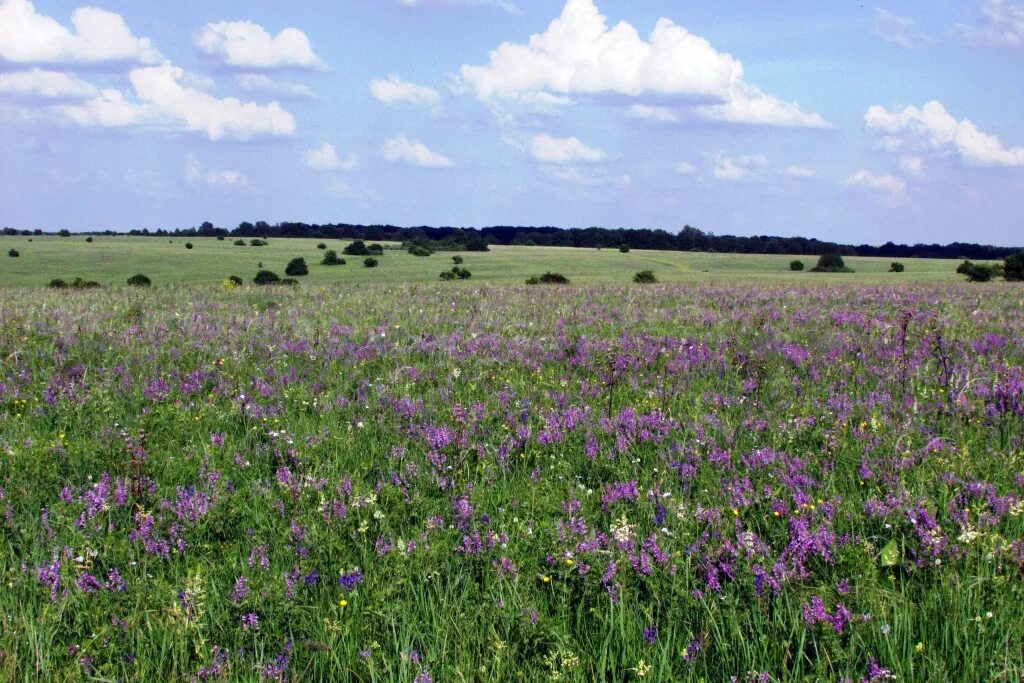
{"points": [[687, 239]]}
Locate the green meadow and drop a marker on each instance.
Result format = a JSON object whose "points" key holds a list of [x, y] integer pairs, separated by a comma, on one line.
{"points": [[111, 260]]}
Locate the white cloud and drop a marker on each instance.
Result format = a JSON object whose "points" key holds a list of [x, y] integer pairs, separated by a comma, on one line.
{"points": [[912, 165], [896, 30], [396, 91], [99, 36], [1001, 25], [260, 83], [800, 172], [414, 152], [167, 104], [685, 168], [933, 128], [888, 183], [651, 113], [736, 168], [248, 45], [580, 55], [502, 4], [550, 150], [325, 158], [195, 173], [571, 174], [44, 84]]}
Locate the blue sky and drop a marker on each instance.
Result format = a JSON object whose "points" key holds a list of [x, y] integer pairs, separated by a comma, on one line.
{"points": [[857, 123]]}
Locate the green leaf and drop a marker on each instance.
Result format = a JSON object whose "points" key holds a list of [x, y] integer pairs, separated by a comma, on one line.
{"points": [[891, 554]]}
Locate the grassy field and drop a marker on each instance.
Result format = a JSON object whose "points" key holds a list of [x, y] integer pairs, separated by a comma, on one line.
{"points": [[111, 260]]}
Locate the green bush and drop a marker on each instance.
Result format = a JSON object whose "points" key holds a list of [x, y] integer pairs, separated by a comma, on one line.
{"points": [[375, 250], [257, 242], [331, 259], [370, 262], [1013, 267], [296, 267], [139, 280], [645, 277], [88, 239], [57, 283], [266, 277], [79, 283], [549, 278], [533, 280], [420, 250], [357, 248], [624, 248], [220, 238], [457, 260], [896, 267], [477, 244], [447, 275], [239, 243], [13, 253], [321, 246], [237, 281], [976, 272], [461, 273], [188, 245], [64, 232], [796, 265], [831, 263]]}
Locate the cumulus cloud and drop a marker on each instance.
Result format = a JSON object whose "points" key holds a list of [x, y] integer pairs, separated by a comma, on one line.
{"points": [[886, 183], [166, 103], [195, 173], [736, 168], [798, 171], [551, 150], [912, 165], [896, 30], [394, 90], [933, 128], [648, 112], [247, 45], [1001, 25], [579, 55], [325, 158], [27, 37], [263, 84], [38, 83], [501, 4], [402, 149]]}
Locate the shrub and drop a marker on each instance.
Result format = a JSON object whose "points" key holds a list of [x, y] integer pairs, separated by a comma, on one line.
{"points": [[477, 244], [331, 259], [461, 273], [239, 243], [79, 283], [220, 238], [896, 267], [321, 246], [88, 239], [235, 280], [139, 280], [1013, 267], [976, 272], [645, 277], [64, 233], [57, 283], [624, 248], [370, 262], [357, 248], [457, 260], [296, 267], [188, 245], [796, 265], [13, 253], [533, 280], [549, 278], [266, 277], [447, 275], [420, 250], [830, 263], [375, 250], [257, 242]]}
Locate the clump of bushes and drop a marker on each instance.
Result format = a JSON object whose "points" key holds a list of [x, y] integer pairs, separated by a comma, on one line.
{"points": [[447, 275], [624, 248], [645, 277], [57, 283], [420, 250], [370, 262], [13, 253], [548, 278], [266, 277], [321, 246], [79, 283], [1013, 267], [375, 250], [796, 265], [188, 245], [239, 243], [254, 242], [457, 260], [88, 239], [233, 281], [357, 248], [64, 232], [331, 259], [831, 263], [461, 273], [896, 267], [139, 280], [296, 267], [978, 272]]}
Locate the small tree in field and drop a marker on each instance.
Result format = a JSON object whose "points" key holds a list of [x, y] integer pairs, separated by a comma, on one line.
{"points": [[370, 262], [1013, 267], [976, 272], [266, 277], [357, 248], [645, 277], [457, 260], [296, 267], [796, 265], [624, 248], [139, 280], [13, 253], [831, 263], [331, 258], [188, 245], [896, 267]]}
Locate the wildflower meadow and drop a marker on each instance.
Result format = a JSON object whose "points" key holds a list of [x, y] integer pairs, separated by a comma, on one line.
{"points": [[728, 482]]}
